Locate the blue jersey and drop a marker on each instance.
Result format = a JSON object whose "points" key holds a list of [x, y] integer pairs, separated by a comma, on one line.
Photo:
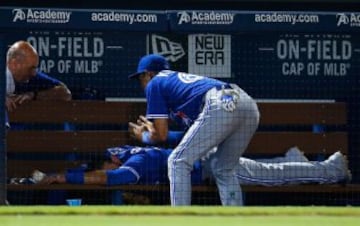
{"points": [[177, 95], [39, 82], [144, 165], [147, 164]]}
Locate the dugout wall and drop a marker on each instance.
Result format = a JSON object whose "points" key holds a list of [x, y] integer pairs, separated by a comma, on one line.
{"points": [[271, 54]]}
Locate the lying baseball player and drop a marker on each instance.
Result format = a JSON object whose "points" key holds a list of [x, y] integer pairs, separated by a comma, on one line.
{"points": [[148, 165]]}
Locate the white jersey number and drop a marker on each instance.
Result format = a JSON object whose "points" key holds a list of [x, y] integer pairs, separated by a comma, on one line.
{"points": [[189, 78]]}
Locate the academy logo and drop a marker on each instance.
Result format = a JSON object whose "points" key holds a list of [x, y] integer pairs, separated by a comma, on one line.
{"points": [[207, 18], [352, 20], [342, 19], [19, 14], [41, 16], [172, 51], [184, 17]]}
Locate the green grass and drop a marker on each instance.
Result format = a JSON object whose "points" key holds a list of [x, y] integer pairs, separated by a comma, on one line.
{"points": [[101, 220], [179, 216], [190, 210]]}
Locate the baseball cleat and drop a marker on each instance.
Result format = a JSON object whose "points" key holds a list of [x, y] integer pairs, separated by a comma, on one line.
{"points": [[341, 164], [295, 155], [347, 175]]}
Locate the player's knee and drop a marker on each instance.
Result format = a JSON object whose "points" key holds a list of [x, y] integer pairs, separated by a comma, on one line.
{"points": [[214, 167], [219, 168], [179, 167]]}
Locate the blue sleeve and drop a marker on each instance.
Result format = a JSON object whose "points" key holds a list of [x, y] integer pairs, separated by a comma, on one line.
{"points": [[74, 177], [40, 82], [122, 175], [174, 137]]}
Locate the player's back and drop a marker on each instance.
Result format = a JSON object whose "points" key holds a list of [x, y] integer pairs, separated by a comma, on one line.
{"points": [[182, 92], [150, 163]]}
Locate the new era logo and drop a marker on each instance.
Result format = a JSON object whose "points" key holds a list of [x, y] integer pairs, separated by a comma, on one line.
{"points": [[172, 51]]}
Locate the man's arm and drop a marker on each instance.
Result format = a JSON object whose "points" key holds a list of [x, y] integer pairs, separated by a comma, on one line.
{"points": [[42, 87], [119, 176], [160, 132], [59, 92], [97, 177]]}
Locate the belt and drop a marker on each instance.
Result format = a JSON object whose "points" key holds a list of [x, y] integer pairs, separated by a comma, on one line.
{"points": [[218, 88]]}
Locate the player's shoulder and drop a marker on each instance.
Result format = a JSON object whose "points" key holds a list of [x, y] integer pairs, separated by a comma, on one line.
{"points": [[165, 73], [42, 74], [42, 77]]}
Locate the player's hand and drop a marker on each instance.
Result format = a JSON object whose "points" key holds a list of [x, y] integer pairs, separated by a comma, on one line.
{"points": [[135, 131], [14, 100], [146, 124], [142, 124], [25, 97]]}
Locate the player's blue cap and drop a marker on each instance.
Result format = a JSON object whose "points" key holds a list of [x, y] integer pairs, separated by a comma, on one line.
{"points": [[151, 62]]}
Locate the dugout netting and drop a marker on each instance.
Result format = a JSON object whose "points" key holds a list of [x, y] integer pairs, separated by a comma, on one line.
{"points": [[276, 56]]}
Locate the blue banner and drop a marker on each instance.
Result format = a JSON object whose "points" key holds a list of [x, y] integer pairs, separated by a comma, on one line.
{"points": [[278, 65], [92, 19], [259, 21], [185, 21]]}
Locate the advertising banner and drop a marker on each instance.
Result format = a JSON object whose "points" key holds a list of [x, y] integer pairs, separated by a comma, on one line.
{"points": [[92, 19], [276, 64], [259, 21], [279, 65], [87, 60], [286, 64]]}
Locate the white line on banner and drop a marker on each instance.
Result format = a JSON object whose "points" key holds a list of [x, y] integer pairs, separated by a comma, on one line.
{"points": [[114, 47], [266, 49]]}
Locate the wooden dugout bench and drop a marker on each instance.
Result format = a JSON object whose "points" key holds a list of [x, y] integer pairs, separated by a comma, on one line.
{"points": [[317, 128]]}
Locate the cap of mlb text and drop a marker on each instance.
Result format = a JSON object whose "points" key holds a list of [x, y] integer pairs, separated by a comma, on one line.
{"points": [[151, 62]]}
